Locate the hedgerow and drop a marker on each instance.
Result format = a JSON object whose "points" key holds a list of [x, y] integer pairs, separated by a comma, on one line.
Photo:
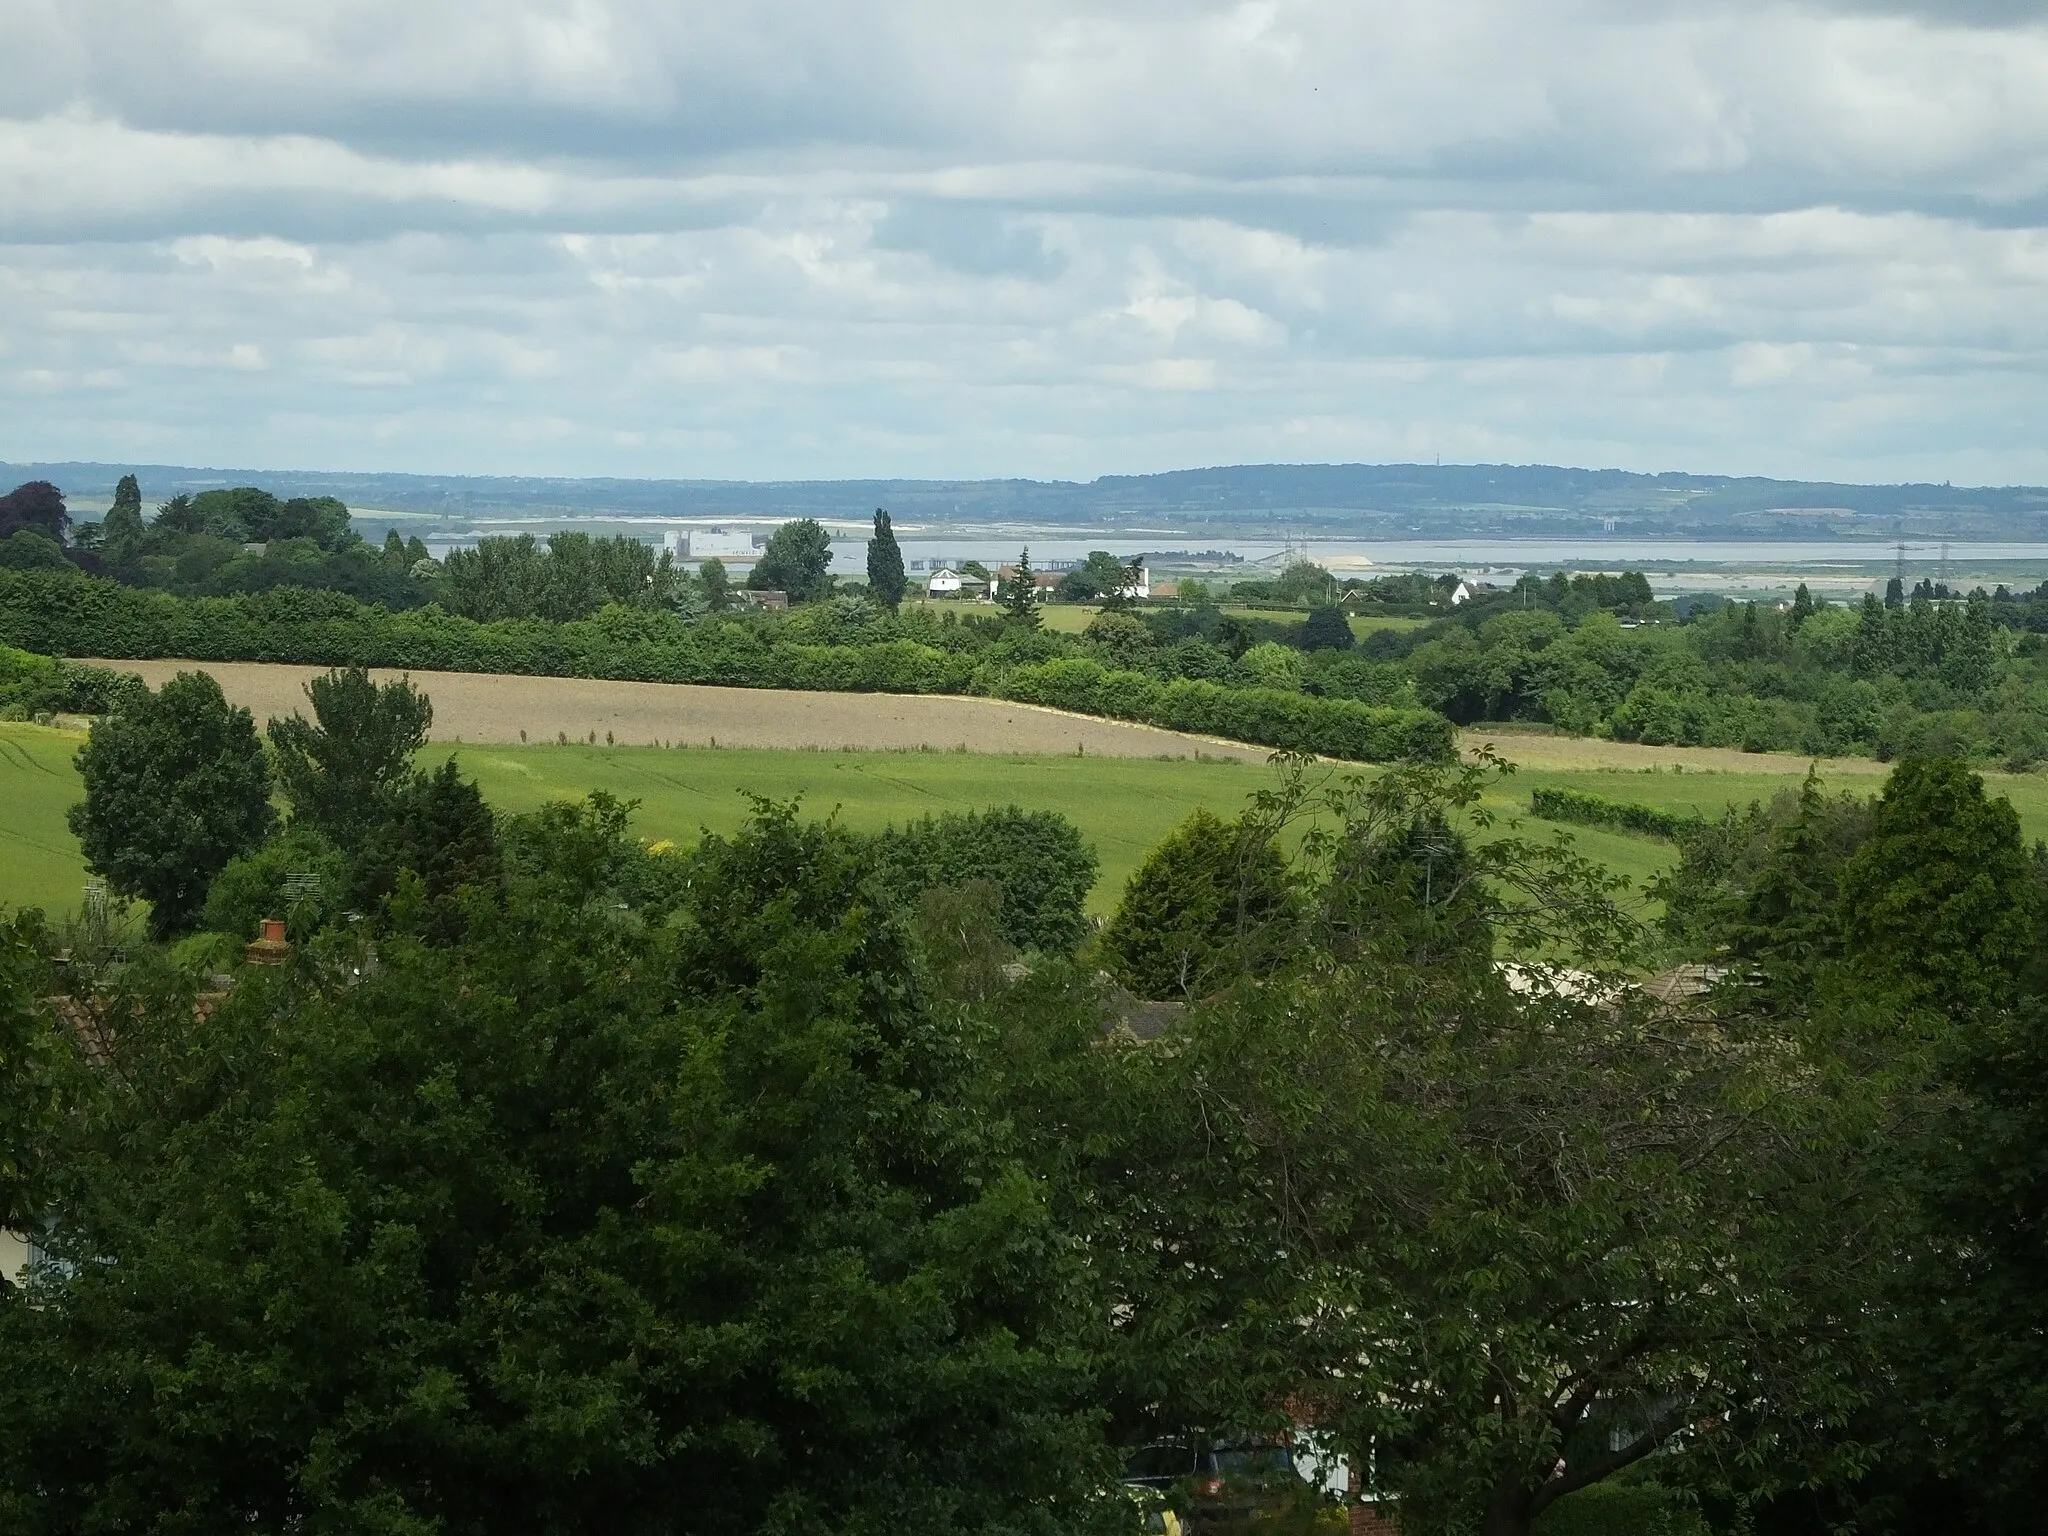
{"points": [[70, 616]]}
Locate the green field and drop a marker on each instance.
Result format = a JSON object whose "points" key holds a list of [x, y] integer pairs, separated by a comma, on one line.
{"points": [[1122, 805]]}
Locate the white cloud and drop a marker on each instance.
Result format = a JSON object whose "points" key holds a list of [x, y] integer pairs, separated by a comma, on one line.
{"points": [[637, 236]]}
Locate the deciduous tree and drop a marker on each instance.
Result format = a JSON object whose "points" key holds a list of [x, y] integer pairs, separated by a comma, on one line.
{"points": [[340, 769], [175, 786], [798, 560]]}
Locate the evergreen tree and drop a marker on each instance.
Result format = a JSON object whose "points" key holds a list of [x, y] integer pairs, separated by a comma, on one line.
{"points": [[1200, 911], [122, 530], [1894, 593], [1938, 905], [1802, 606], [885, 563], [1020, 593]]}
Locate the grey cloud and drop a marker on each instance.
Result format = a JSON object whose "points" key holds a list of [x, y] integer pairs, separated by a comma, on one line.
{"points": [[921, 238]]}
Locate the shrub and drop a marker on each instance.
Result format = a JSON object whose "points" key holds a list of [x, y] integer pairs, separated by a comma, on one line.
{"points": [[1592, 811], [300, 877], [1035, 859], [1198, 911]]}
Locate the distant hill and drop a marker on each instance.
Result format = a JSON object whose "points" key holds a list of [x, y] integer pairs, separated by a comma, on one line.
{"points": [[1352, 499]]}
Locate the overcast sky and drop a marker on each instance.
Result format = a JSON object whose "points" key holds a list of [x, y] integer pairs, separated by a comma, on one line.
{"points": [[793, 238]]}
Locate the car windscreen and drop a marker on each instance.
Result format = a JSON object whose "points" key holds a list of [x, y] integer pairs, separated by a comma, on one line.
{"points": [[1161, 1461]]}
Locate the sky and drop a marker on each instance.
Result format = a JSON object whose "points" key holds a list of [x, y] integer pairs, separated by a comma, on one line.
{"points": [[798, 239]]}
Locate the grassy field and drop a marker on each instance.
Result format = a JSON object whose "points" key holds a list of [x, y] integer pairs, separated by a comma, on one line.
{"points": [[1123, 805]]}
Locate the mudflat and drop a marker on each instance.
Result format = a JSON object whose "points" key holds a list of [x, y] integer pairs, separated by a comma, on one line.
{"points": [[498, 708]]}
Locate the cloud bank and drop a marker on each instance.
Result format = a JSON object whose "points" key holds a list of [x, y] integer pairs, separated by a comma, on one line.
{"points": [[798, 239]]}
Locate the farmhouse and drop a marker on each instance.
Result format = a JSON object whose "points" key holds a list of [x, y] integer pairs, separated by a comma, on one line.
{"points": [[947, 582]]}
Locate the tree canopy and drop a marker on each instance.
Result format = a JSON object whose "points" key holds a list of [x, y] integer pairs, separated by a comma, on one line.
{"points": [[797, 559], [175, 786]]}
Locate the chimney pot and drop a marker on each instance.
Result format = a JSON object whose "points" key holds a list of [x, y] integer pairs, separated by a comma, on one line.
{"points": [[271, 948]]}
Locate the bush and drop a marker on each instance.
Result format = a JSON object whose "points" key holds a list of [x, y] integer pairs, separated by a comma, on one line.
{"points": [[1622, 1509], [1035, 859], [1198, 910], [300, 877], [1592, 811]]}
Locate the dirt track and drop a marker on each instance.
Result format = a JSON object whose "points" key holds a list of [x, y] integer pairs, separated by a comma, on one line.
{"points": [[484, 707]]}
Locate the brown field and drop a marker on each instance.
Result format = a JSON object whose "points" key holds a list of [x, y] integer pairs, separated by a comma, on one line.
{"points": [[1578, 754], [489, 708]]}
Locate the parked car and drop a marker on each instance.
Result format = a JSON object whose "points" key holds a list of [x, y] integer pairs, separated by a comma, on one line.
{"points": [[1222, 1488]]}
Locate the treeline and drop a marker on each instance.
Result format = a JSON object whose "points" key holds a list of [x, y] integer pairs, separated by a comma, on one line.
{"points": [[1929, 676], [855, 647], [548, 1180]]}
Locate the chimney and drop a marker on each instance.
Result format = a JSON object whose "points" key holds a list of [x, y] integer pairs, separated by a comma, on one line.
{"points": [[271, 948]]}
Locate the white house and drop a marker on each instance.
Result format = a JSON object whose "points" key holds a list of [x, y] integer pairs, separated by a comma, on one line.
{"points": [[947, 582]]}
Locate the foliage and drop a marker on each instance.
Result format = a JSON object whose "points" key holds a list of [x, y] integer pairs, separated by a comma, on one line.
{"points": [[33, 685], [175, 787], [1326, 629], [571, 578], [1624, 1507], [300, 877], [582, 1224], [1535, 1228], [38, 507], [886, 578], [1576, 805], [1035, 861], [1019, 594], [798, 560], [338, 769], [31, 1098], [436, 832], [1939, 901], [1210, 904], [715, 585], [30, 549]]}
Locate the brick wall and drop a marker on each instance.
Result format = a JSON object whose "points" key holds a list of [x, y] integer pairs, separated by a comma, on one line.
{"points": [[1368, 1520]]}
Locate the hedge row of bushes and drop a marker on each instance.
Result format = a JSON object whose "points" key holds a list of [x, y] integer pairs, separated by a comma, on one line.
{"points": [[1272, 717], [32, 686], [67, 616], [1591, 811]]}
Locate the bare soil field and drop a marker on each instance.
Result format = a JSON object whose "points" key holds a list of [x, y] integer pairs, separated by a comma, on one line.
{"points": [[1579, 754], [491, 708]]}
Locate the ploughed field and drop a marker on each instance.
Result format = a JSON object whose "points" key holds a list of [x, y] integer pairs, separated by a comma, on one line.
{"points": [[507, 710]]}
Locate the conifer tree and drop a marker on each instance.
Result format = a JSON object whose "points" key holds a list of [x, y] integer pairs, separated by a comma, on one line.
{"points": [[885, 563], [1020, 593]]}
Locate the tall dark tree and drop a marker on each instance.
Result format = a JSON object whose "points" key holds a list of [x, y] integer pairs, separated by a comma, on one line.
{"points": [[175, 786], [37, 506], [339, 769], [121, 532], [886, 578], [1802, 606], [1326, 629], [798, 560], [717, 585], [1020, 593], [1938, 904]]}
